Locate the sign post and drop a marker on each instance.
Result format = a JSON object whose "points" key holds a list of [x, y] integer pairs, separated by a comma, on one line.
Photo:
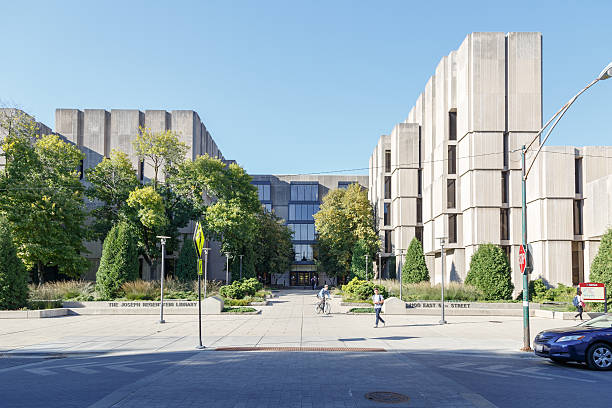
{"points": [[198, 239], [594, 292]]}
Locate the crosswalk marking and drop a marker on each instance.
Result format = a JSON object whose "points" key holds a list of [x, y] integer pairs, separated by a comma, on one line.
{"points": [[93, 367], [81, 370]]}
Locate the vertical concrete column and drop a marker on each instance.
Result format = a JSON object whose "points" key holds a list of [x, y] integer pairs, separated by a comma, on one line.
{"points": [[69, 123]]}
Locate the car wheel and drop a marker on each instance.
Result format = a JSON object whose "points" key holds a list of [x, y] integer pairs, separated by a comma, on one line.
{"points": [[599, 357]]}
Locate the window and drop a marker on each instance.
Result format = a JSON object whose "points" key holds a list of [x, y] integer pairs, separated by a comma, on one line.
{"points": [[452, 159], [452, 125], [142, 171], [303, 252], [263, 192], [577, 262], [388, 246], [387, 161], [450, 193], [506, 151], [507, 251], [81, 170], [387, 217], [267, 207], [418, 232], [302, 212], [344, 184], [302, 232], [505, 187], [452, 228], [304, 192], [504, 224], [577, 217], [387, 186], [419, 210], [578, 175], [420, 181]]}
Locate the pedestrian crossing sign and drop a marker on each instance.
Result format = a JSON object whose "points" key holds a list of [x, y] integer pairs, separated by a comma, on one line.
{"points": [[198, 239]]}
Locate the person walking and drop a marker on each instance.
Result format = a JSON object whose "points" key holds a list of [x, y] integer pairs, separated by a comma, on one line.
{"points": [[579, 303], [312, 282], [378, 301]]}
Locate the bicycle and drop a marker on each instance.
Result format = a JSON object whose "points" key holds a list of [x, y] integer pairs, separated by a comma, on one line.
{"points": [[323, 306]]}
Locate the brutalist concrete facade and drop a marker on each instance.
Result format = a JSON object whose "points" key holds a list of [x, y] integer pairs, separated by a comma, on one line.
{"points": [[294, 198], [97, 132], [453, 168]]}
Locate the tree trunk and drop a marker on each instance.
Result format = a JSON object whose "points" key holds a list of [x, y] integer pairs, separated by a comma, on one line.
{"points": [[40, 273]]}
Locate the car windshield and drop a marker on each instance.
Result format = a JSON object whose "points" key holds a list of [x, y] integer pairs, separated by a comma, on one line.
{"points": [[604, 321]]}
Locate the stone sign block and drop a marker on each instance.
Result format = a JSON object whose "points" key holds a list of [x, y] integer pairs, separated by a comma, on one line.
{"points": [[394, 305], [212, 305]]}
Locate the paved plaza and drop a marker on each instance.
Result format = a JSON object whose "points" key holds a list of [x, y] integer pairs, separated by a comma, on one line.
{"points": [[133, 361]]}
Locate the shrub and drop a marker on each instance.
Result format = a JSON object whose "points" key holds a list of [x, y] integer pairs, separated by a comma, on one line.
{"points": [[119, 263], [187, 264], [233, 291], [601, 268], [13, 275], [415, 269], [140, 290], [64, 290], [238, 310], [490, 272], [363, 290]]}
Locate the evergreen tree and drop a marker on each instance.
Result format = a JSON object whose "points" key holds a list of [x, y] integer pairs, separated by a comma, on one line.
{"points": [[490, 272], [601, 268], [187, 265], [13, 275], [119, 263], [414, 269]]}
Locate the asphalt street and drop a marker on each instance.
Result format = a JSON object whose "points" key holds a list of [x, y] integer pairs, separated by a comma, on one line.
{"points": [[130, 361]]}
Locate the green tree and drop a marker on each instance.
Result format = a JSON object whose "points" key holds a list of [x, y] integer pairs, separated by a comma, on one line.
{"points": [[187, 264], [358, 262], [119, 262], [13, 275], [490, 272], [146, 213], [42, 198], [110, 184], [273, 247], [601, 268], [160, 150], [414, 269], [345, 217]]}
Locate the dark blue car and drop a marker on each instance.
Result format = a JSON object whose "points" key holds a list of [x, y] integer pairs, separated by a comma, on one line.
{"points": [[590, 342]]}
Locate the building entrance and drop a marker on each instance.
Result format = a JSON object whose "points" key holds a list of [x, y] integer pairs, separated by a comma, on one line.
{"points": [[300, 278]]}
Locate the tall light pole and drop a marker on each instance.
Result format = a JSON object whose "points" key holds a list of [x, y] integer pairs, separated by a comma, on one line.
{"points": [[227, 255], [442, 242], [241, 266], [366, 266], [163, 265], [200, 296], [605, 74], [400, 272]]}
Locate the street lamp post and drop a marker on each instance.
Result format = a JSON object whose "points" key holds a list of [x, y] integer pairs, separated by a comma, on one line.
{"points": [[200, 294], [227, 255], [366, 266], [241, 266], [161, 303], [442, 242], [605, 74]]}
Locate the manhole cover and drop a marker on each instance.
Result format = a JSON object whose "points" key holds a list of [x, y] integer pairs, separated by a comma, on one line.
{"points": [[387, 397]]}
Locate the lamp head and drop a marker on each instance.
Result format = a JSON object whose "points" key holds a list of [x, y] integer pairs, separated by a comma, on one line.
{"points": [[606, 73]]}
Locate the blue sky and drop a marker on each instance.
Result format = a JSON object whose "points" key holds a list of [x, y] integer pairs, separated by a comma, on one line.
{"points": [[288, 86]]}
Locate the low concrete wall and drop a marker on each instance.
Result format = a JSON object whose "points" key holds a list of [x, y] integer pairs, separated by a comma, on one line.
{"points": [[565, 315], [144, 307], [32, 314]]}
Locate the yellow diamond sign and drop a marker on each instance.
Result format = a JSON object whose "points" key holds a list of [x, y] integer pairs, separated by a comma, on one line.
{"points": [[198, 238]]}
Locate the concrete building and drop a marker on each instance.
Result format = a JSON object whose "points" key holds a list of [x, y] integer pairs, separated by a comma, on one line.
{"points": [[295, 198], [97, 132], [452, 168]]}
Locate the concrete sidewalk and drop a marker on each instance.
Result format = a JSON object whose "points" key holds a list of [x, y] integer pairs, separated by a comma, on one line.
{"points": [[289, 322]]}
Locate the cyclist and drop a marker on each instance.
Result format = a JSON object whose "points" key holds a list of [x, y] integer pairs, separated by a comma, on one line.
{"points": [[322, 294]]}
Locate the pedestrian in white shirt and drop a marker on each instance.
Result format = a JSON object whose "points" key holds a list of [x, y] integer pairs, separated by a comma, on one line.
{"points": [[378, 301]]}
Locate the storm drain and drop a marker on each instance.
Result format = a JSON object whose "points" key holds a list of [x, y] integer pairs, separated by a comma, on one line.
{"points": [[344, 349], [386, 397]]}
